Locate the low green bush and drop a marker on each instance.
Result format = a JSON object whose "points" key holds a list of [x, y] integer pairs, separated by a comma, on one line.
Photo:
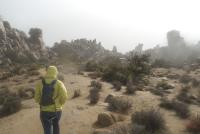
{"points": [[120, 104], [152, 120]]}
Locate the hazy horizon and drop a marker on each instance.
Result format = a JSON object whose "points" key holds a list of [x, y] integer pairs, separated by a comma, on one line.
{"points": [[123, 23]]}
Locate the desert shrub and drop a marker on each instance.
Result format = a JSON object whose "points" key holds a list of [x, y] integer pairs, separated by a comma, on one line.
{"points": [[161, 63], [152, 120], [91, 66], [130, 88], [115, 73], [27, 93], [121, 129], [31, 80], [184, 97], [22, 93], [167, 104], [113, 69], [109, 98], [5, 86], [5, 75], [194, 125], [18, 69], [3, 94], [157, 92], [120, 104], [80, 72], [33, 67], [173, 76], [77, 93], [185, 88], [145, 81], [195, 82], [185, 78], [181, 109], [35, 72], [24, 69], [138, 65], [95, 75], [138, 129], [94, 95], [164, 85], [96, 84], [11, 103], [117, 85], [61, 77]]}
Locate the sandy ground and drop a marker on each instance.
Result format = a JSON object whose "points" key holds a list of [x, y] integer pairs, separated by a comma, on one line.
{"points": [[78, 116]]}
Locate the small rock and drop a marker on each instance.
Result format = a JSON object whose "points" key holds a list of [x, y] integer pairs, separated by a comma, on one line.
{"points": [[72, 82], [164, 78], [193, 97], [171, 86], [102, 132], [105, 119], [80, 107]]}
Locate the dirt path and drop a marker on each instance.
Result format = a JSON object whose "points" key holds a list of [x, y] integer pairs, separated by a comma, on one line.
{"points": [[78, 116]]}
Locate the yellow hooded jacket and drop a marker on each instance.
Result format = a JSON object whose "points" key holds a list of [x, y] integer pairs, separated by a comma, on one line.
{"points": [[60, 92]]}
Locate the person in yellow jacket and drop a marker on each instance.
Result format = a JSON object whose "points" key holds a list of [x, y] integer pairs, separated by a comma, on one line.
{"points": [[51, 95]]}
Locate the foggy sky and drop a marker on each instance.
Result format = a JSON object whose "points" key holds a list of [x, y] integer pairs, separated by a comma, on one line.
{"points": [[123, 23]]}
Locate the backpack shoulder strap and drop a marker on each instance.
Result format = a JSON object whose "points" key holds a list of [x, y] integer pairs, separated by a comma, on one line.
{"points": [[53, 83]]}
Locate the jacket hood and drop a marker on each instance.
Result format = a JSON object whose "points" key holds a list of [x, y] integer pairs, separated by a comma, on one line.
{"points": [[52, 72]]}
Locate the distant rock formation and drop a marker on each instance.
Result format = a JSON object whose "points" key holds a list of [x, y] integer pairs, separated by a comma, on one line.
{"points": [[81, 50], [139, 48], [175, 40], [177, 52], [17, 47], [114, 50]]}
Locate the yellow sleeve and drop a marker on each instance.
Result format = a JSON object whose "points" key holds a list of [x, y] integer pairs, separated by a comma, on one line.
{"points": [[37, 95], [63, 95]]}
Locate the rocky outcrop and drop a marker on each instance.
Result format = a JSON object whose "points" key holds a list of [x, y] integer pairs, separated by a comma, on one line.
{"points": [[82, 50], [177, 53], [175, 40], [17, 47]]}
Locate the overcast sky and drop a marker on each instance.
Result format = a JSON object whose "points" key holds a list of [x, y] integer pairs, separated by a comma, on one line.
{"points": [[123, 23]]}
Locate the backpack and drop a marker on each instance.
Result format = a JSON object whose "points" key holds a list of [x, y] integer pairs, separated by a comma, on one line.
{"points": [[47, 93]]}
